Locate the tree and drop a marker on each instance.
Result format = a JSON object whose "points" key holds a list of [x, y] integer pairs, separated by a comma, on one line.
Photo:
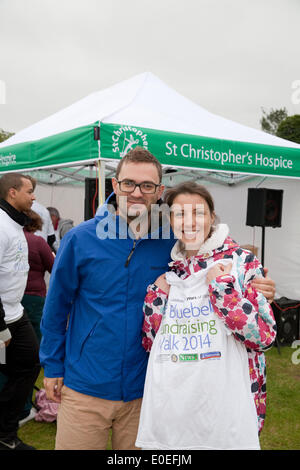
{"points": [[270, 121], [5, 135], [289, 128]]}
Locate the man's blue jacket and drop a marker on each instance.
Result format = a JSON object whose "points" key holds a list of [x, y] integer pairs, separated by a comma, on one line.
{"points": [[93, 317]]}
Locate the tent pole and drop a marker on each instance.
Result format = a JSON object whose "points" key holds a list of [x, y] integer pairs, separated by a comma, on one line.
{"points": [[101, 182], [101, 174]]}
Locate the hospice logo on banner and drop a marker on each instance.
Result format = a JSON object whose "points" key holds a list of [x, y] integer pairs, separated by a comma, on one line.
{"points": [[126, 138], [187, 150]]}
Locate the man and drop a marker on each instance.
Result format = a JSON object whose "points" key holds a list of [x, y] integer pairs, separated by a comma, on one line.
{"points": [[91, 348], [21, 365], [61, 226], [47, 230]]}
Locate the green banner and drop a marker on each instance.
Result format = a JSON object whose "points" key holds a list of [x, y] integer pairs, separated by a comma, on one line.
{"points": [[192, 151], [173, 149], [77, 145]]}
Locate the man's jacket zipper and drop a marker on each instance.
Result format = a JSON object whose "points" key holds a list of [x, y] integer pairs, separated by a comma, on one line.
{"points": [[130, 254]]}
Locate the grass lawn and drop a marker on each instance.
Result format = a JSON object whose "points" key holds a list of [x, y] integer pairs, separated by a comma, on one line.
{"points": [[282, 425]]}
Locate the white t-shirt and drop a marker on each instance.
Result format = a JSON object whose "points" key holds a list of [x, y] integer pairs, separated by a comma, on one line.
{"points": [[197, 392], [14, 266], [47, 229]]}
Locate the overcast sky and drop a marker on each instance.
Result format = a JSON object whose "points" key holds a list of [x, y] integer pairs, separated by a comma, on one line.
{"points": [[230, 56]]}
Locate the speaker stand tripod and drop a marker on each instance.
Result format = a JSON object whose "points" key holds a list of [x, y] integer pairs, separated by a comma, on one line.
{"points": [[263, 245], [262, 263]]}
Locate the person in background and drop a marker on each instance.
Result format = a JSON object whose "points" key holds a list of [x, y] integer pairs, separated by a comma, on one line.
{"points": [[47, 230], [207, 329], [41, 259], [5, 335], [21, 367], [61, 226]]}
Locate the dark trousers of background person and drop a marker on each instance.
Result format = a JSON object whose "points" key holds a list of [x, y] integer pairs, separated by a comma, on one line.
{"points": [[33, 306], [21, 369]]}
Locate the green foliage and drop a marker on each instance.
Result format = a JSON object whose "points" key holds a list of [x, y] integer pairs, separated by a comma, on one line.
{"points": [[289, 128], [270, 121], [5, 135], [277, 122]]}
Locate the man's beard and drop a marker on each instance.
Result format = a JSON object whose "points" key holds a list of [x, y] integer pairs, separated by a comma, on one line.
{"points": [[139, 221], [134, 210]]}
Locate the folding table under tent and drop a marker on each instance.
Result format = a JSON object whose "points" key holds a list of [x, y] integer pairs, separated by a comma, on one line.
{"points": [[144, 111]]}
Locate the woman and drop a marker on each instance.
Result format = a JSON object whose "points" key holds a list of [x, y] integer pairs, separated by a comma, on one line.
{"points": [[41, 259], [206, 369]]}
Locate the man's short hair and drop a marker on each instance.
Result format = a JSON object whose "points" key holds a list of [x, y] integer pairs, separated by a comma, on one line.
{"points": [[140, 155], [33, 180], [13, 180], [53, 211]]}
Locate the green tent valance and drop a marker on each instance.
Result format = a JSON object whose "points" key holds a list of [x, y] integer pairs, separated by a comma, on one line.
{"points": [[194, 151], [70, 147]]}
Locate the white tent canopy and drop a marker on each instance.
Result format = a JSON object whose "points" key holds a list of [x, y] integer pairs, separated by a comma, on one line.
{"points": [[144, 101]]}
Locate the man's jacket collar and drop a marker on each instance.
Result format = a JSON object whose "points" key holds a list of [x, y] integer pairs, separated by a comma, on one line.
{"points": [[19, 217]]}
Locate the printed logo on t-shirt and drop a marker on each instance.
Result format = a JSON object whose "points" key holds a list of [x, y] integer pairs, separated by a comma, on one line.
{"points": [[21, 257], [189, 328]]}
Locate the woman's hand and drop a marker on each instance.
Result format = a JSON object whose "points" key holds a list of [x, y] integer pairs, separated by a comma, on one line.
{"points": [[218, 270], [265, 285], [161, 282]]}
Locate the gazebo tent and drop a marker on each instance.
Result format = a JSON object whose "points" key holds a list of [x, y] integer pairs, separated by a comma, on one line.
{"points": [[145, 111]]}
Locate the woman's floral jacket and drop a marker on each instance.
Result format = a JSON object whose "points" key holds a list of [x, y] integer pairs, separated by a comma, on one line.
{"points": [[249, 316]]}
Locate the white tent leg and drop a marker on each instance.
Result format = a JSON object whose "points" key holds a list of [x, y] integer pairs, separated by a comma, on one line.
{"points": [[101, 185]]}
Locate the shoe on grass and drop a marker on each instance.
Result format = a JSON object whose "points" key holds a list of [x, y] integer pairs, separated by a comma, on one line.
{"points": [[14, 443], [32, 414]]}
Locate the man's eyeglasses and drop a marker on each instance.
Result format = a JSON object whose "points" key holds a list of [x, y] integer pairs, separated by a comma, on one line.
{"points": [[128, 186]]}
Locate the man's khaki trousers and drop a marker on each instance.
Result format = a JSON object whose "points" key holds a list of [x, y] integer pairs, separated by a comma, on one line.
{"points": [[83, 422]]}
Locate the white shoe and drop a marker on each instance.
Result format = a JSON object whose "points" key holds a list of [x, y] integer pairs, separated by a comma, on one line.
{"points": [[31, 416]]}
